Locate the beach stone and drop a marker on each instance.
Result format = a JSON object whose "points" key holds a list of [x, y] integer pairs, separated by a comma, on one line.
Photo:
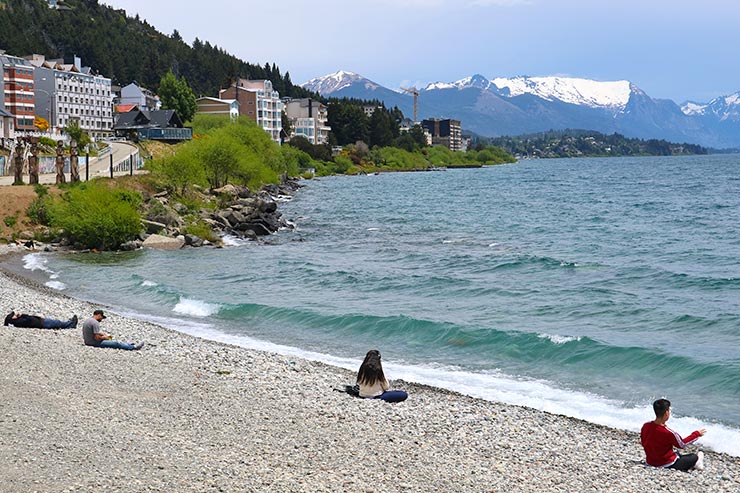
{"points": [[163, 242]]}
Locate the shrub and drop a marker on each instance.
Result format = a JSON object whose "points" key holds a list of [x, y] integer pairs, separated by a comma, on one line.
{"points": [[201, 229], [10, 221], [39, 209], [94, 216]]}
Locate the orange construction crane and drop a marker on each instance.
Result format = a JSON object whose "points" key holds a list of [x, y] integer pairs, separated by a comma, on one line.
{"points": [[415, 92]]}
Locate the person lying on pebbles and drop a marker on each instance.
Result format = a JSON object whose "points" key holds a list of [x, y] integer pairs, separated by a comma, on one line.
{"points": [[94, 336], [36, 322]]}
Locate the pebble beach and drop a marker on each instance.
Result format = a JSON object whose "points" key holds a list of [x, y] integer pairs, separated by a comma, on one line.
{"points": [[190, 415]]}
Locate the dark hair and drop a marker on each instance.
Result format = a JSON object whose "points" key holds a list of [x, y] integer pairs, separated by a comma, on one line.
{"points": [[371, 370], [660, 407], [9, 318]]}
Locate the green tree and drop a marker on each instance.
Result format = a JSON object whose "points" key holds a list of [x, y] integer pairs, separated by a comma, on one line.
{"points": [[76, 133], [177, 95]]}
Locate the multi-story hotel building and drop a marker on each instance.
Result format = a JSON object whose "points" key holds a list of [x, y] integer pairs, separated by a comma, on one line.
{"points": [[446, 133], [17, 96], [75, 93], [258, 101], [308, 119]]}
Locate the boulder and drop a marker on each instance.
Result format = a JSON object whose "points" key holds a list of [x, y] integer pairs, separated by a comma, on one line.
{"points": [[163, 242], [227, 190], [153, 226], [268, 206], [193, 240], [233, 217]]}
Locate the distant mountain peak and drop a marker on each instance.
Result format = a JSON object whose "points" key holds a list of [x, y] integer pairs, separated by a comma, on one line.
{"points": [[337, 81], [477, 81], [596, 94], [723, 108]]}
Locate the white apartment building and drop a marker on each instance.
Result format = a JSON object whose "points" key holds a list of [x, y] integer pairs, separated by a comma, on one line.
{"points": [[308, 119], [74, 93], [258, 101]]}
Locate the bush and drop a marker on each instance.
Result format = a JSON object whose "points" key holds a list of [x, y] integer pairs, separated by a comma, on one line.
{"points": [[200, 229], [39, 209], [10, 221], [94, 216]]}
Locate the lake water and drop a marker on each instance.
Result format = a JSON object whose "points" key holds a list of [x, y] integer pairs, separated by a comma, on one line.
{"points": [[586, 287]]}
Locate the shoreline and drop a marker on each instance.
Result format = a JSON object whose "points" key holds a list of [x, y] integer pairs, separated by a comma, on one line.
{"points": [[190, 414]]}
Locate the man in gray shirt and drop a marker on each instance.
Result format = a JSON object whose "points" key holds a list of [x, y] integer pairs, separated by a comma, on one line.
{"points": [[93, 336]]}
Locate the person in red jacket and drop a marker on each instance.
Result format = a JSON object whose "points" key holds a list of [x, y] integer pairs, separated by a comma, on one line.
{"points": [[658, 441]]}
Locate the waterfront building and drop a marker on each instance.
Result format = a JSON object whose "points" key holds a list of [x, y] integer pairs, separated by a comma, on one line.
{"points": [[445, 132], [308, 119], [215, 106], [17, 96], [165, 125], [75, 93], [258, 101], [143, 98]]}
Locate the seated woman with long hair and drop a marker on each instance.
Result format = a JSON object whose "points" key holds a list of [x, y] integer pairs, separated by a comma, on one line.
{"points": [[372, 381]]}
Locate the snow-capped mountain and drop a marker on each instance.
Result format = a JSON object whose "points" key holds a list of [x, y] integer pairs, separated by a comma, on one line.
{"points": [[521, 105], [570, 90], [337, 81], [723, 108]]}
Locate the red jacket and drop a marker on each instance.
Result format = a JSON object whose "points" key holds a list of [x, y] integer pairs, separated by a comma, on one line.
{"points": [[658, 442]]}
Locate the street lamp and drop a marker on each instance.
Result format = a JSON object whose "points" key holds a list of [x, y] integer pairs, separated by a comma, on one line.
{"points": [[51, 104]]}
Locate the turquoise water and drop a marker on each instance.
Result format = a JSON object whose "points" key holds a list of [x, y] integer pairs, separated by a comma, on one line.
{"points": [[587, 287]]}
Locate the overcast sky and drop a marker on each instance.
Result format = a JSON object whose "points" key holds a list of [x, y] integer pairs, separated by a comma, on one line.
{"points": [[676, 49]]}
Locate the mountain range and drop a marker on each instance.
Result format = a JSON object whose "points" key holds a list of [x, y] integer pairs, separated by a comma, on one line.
{"points": [[524, 105]]}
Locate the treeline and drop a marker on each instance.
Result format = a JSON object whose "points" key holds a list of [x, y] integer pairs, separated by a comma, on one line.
{"points": [[585, 143], [126, 49], [350, 123]]}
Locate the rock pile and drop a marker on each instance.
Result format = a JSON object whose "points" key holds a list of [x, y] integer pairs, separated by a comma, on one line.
{"points": [[235, 210]]}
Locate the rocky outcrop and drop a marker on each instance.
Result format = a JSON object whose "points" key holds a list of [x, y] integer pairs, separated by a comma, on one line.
{"points": [[239, 212]]}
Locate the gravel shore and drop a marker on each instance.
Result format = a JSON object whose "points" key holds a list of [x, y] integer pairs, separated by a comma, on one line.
{"points": [[190, 415]]}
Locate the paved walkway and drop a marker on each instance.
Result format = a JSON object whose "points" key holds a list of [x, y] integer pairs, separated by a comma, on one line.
{"points": [[99, 166]]}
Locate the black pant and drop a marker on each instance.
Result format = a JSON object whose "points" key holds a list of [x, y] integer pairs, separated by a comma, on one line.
{"points": [[684, 462]]}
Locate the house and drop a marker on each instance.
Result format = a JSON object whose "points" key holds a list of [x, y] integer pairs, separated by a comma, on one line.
{"points": [[67, 92], [445, 132], [139, 96], [163, 125], [7, 125], [215, 106], [17, 96], [259, 102], [308, 119]]}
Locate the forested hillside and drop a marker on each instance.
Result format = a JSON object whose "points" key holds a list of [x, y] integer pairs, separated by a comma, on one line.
{"points": [[125, 49], [585, 143]]}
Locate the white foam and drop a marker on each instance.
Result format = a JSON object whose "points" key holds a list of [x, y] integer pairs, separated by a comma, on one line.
{"points": [[491, 386], [232, 240], [36, 261], [373, 229], [148, 283], [557, 339], [58, 285], [195, 308]]}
